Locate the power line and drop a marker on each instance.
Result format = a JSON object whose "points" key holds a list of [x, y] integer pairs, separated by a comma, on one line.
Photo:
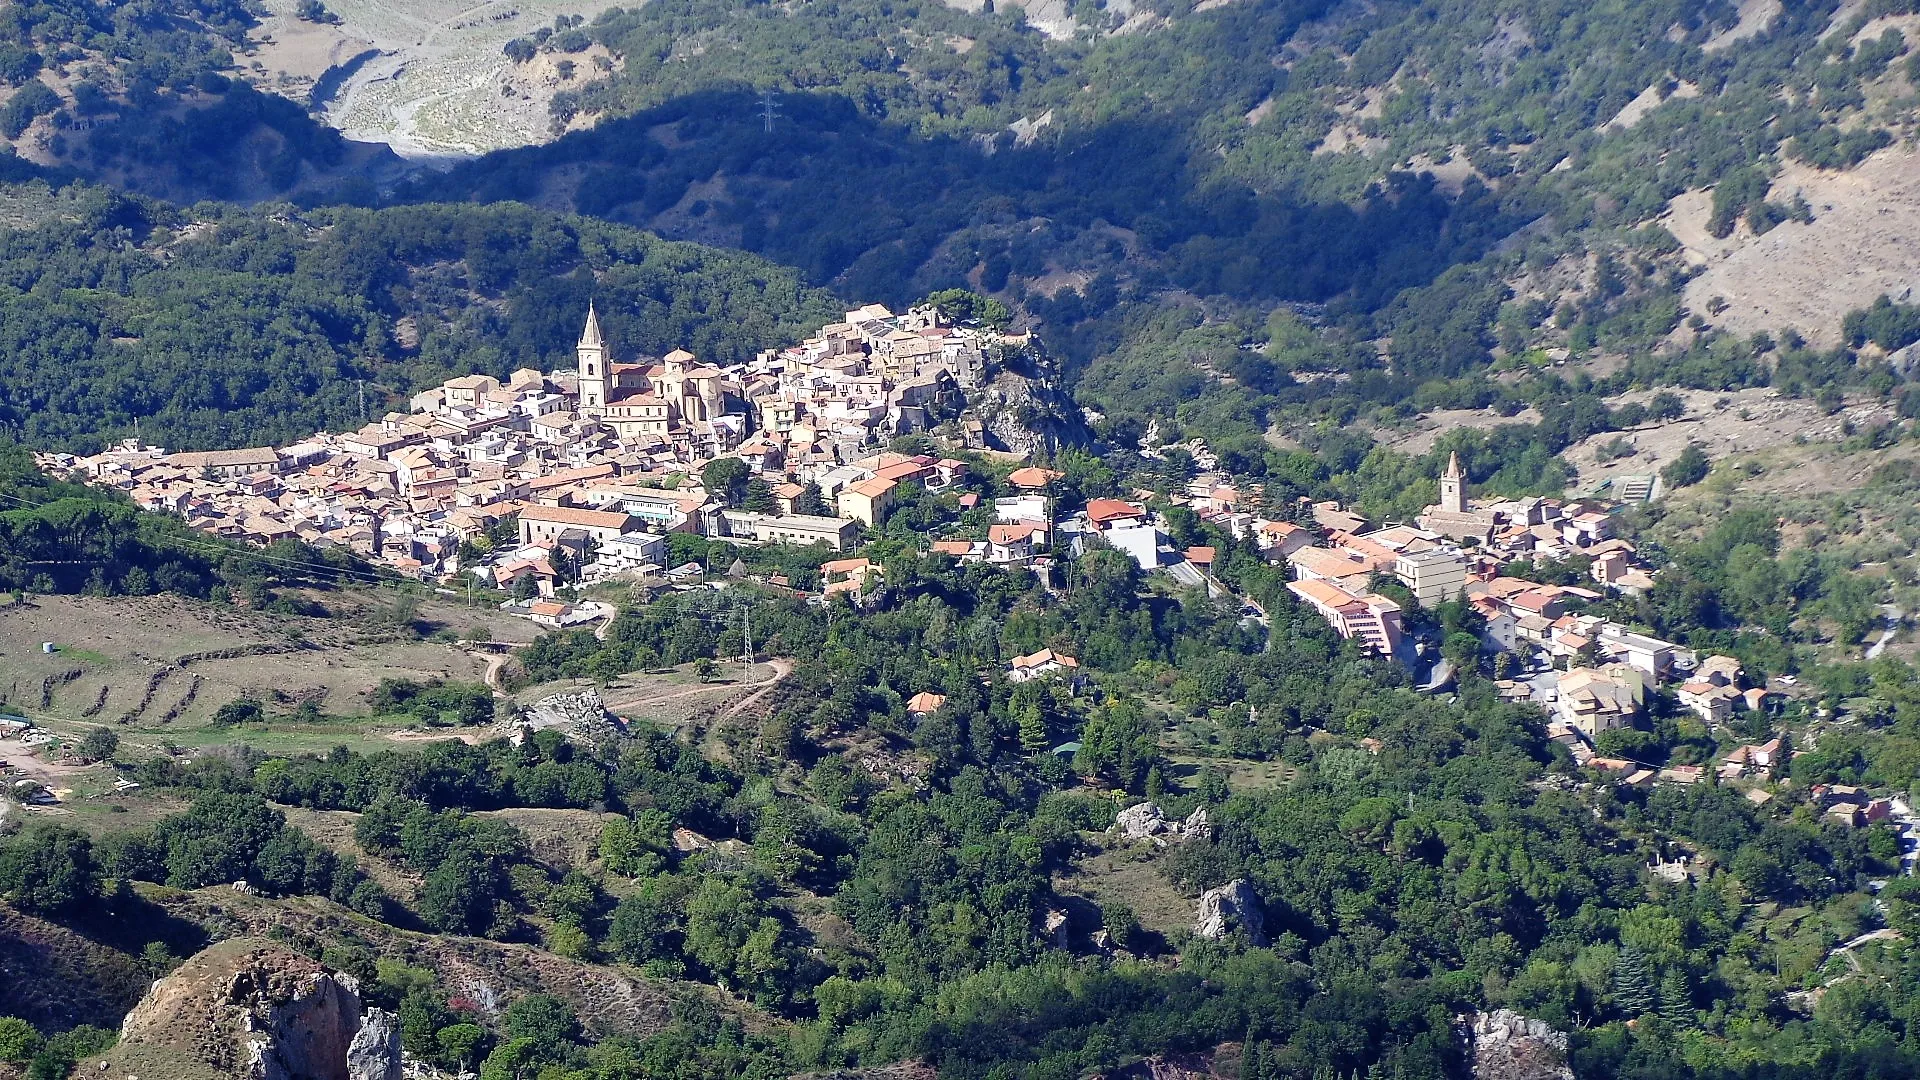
{"points": [[769, 109]]}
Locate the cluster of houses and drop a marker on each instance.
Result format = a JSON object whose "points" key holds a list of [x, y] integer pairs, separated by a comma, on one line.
{"points": [[593, 460], [1457, 549]]}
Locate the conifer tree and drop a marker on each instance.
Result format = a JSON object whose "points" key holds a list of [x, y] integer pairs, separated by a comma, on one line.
{"points": [[1676, 998], [1632, 983]]}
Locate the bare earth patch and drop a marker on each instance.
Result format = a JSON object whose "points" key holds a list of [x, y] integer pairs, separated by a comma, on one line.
{"points": [[1755, 17], [440, 87], [1428, 427], [1864, 241], [1753, 422]]}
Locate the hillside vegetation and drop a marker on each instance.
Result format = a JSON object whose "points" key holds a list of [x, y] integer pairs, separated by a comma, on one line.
{"points": [[225, 327]]}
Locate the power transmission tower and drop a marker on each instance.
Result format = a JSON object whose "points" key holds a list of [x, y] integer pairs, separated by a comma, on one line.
{"points": [[769, 109]]}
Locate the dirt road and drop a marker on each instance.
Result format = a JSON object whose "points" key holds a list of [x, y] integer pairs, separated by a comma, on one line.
{"points": [[645, 698]]}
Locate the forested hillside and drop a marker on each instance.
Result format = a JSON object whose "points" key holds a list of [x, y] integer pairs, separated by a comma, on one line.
{"points": [[222, 327], [868, 920], [1258, 152], [147, 97], [1437, 188]]}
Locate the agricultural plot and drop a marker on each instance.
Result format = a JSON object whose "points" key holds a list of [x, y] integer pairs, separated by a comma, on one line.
{"points": [[158, 668]]}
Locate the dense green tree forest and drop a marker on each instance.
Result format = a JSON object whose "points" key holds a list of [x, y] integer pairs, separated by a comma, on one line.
{"points": [[1442, 874], [229, 327]]}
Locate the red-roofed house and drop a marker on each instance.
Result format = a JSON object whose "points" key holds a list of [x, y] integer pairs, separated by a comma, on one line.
{"points": [[1010, 543], [1044, 662], [1106, 513], [545, 523], [1033, 478], [1369, 617]]}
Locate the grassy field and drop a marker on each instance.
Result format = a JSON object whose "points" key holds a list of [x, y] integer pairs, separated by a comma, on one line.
{"points": [[1242, 776], [118, 662], [1129, 875]]}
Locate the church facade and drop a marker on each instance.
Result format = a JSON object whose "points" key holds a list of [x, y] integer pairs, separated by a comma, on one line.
{"points": [[641, 402]]}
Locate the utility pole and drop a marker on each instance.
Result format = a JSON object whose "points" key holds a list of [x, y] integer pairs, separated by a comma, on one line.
{"points": [[769, 109]]}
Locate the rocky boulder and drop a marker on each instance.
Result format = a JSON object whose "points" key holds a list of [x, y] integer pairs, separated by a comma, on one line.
{"points": [[1233, 906], [252, 1009], [1146, 821], [1508, 1046], [1140, 821], [374, 1053]]}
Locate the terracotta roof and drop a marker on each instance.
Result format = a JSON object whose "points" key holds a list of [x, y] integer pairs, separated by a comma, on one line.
{"points": [[873, 488], [1033, 477], [569, 515], [904, 470], [1011, 534], [1101, 511], [924, 702], [1042, 657], [1322, 592]]}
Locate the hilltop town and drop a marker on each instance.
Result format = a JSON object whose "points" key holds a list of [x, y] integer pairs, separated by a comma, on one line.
{"points": [[592, 468], [603, 458]]}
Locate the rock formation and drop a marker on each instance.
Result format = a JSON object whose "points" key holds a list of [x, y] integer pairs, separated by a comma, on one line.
{"points": [[252, 1009], [1509, 1046], [374, 1053], [1057, 929], [1146, 821], [1233, 906], [1141, 820]]}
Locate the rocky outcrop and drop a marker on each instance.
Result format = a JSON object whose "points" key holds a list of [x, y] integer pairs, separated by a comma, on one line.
{"points": [[251, 1009], [1206, 1065], [374, 1053], [581, 715], [1508, 1046], [1026, 415], [1057, 929], [1146, 821], [1141, 820], [1229, 908]]}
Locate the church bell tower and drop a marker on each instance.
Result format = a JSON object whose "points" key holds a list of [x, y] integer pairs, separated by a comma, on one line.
{"points": [[1453, 487], [593, 365]]}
